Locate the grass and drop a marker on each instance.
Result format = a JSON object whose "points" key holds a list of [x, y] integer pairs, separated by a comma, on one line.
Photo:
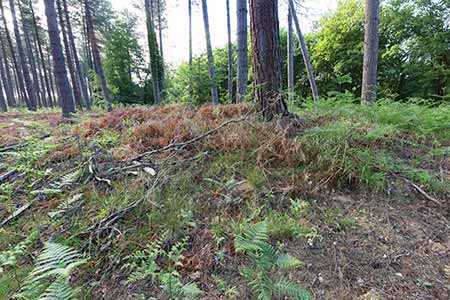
{"points": [[260, 174]]}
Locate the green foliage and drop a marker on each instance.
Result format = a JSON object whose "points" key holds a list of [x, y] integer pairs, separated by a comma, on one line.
{"points": [[124, 61], [143, 265], [50, 277], [264, 261], [9, 258]]}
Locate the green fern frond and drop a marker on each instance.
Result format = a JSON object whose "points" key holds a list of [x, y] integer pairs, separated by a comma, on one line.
{"points": [[286, 261], [252, 238], [49, 280], [285, 287]]}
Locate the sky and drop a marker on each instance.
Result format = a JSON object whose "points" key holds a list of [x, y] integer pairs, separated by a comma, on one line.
{"points": [[176, 35]]}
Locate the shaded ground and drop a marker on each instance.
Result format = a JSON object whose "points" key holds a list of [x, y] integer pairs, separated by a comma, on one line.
{"points": [[356, 241]]}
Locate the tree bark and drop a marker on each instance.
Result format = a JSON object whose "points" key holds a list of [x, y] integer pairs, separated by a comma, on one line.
{"points": [[162, 79], [290, 57], [305, 53], [153, 51], [79, 71], [212, 71], [3, 106], [242, 50], [20, 83], [62, 82], [73, 77], [230, 56], [23, 62], [369, 81], [266, 60], [41, 55], [6, 75], [96, 55], [191, 87]]}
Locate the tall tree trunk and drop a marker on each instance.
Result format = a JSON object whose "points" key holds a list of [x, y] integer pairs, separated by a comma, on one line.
{"points": [[3, 106], [6, 75], [82, 81], [64, 90], [305, 53], [23, 62], [45, 99], [212, 71], [51, 77], [162, 79], [191, 87], [154, 53], [230, 56], [290, 57], [369, 80], [73, 77], [242, 50], [96, 54], [32, 62], [20, 82], [266, 60], [41, 55]]}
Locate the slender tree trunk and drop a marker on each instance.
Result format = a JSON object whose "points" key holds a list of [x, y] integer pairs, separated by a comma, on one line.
{"points": [[45, 100], [23, 62], [64, 90], [212, 71], [153, 50], [369, 81], [6, 75], [51, 77], [41, 55], [266, 60], [290, 58], [162, 84], [242, 50], [191, 87], [3, 106], [20, 82], [305, 53], [82, 81], [73, 77], [96, 55], [230, 56]]}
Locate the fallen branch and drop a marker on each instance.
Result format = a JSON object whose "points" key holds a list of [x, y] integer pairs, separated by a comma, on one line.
{"points": [[16, 214], [192, 141], [20, 145], [7, 175], [420, 190]]}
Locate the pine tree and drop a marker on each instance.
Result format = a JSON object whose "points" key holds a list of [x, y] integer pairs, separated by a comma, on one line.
{"points": [[155, 59], [242, 50]]}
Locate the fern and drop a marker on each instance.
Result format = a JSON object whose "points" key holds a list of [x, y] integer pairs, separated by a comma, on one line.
{"points": [[49, 279], [9, 258], [265, 259]]}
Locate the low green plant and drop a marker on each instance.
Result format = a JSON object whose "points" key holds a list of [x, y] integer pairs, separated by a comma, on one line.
{"points": [[50, 277], [264, 273], [143, 266]]}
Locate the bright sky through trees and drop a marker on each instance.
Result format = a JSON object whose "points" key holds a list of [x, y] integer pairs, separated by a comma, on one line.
{"points": [[176, 34]]}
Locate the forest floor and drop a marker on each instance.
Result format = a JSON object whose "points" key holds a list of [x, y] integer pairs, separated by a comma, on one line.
{"points": [[361, 195]]}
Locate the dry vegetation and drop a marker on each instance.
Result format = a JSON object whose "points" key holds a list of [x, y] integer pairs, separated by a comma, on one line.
{"points": [[342, 203]]}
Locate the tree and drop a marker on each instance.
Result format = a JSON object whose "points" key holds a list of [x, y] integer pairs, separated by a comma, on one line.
{"points": [[162, 79], [21, 86], [6, 75], [305, 53], [64, 90], [3, 106], [67, 50], [209, 52], [23, 61], [230, 56], [190, 49], [242, 50], [290, 57], [96, 54], [371, 41], [266, 60], [154, 52], [41, 55]]}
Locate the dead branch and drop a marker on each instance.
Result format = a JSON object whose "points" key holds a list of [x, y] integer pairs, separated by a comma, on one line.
{"points": [[7, 175], [16, 214]]}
